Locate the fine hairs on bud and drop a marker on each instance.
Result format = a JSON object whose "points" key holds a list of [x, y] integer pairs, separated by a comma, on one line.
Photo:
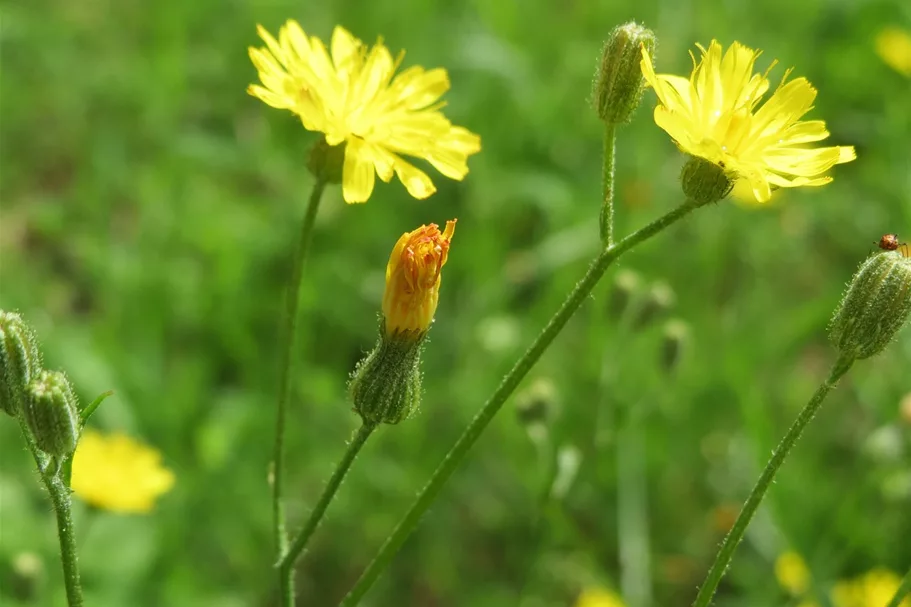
{"points": [[619, 84], [51, 414], [875, 306], [326, 161], [20, 361], [704, 181], [386, 385]]}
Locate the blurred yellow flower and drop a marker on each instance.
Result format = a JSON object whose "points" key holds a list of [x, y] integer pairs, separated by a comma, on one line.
{"points": [[893, 45], [792, 573], [873, 589], [355, 98], [599, 597], [714, 115], [413, 278], [118, 474]]}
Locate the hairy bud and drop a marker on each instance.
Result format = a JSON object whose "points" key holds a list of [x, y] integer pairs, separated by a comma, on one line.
{"points": [[326, 161], [704, 181], [619, 83], [19, 361], [386, 385], [51, 414]]}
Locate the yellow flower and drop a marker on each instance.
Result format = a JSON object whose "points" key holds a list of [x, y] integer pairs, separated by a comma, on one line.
{"points": [[413, 278], [893, 45], [792, 573], [715, 115], [599, 597], [354, 97], [873, 589], [118, 474]]}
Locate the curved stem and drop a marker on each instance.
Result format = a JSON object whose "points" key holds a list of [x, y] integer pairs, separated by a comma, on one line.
{"points": [[903, 591], [60, 496], [286, 565], [458, 452], [726, 553], [287, 335], [607, 185]]}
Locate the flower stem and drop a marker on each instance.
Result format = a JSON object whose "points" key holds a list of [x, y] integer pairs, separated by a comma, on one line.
{"points": [[726, 553], [903, 591], [458, 452], [607, 185], [60, 496], [287, 335], [286, 565]]}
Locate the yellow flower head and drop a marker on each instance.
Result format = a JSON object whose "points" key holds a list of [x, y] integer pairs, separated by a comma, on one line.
{"points": [[893, 45], [792, 573], [715, 115], [873, 589], [599, 597], [118, 474], [413, 278], [352, 95]]}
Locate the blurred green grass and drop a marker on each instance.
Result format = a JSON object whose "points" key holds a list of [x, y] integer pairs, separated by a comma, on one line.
{"points": [[148, 205]]}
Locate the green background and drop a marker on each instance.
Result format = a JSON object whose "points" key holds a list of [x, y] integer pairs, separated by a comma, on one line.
{"points": [[148, 209]]}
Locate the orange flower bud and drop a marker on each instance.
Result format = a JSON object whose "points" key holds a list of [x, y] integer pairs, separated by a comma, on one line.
{"points": [[413, 279]]}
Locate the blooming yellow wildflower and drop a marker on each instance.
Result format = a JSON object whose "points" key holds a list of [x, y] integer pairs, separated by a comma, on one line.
{"points": [[792, 573], [893, 45], [355, 98], [413, 278], [714, 115], [118, 474], [599, 597], [873, 589]]}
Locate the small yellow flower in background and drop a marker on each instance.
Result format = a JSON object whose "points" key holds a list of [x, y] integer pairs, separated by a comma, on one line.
{"points": [[792, 573], [599, 597], [873, 589], [893, 45], [413, 278], [116, 473], [355, 98], [715, 115]]}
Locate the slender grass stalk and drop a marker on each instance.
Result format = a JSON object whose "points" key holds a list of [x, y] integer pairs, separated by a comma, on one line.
{"points": [[287, 337], [544, 505], [632, 513], [286, 565], [726, 553], [477, 426], [607, 185], [903, 591]]}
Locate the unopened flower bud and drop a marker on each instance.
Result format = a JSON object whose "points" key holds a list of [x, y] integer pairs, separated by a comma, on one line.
{"points": [[538, 403], [413, 280], [673, 343], [875, 307], [51, 414], [326, 161], [19, 361], [386, 385], [704, 181], [619, 83], [625, 288], [659, 301]]}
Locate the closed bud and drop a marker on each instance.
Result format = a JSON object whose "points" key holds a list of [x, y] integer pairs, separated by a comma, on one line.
{"points": [[20, 361], [326, 161], [704, 181], [673, 343], [538, 403], [626, 288], [51, 414], [386, 385], [875, 306], [659, 301], [619, 83]]}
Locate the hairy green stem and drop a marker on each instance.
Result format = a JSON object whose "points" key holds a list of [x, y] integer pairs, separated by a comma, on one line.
{"points": [[287, 337], [903, 591], [607, 185], [286, 565], [726, 553], [474, 430]]}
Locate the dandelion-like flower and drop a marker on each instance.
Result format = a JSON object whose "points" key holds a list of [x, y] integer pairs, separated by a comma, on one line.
{"points": [[118, 474], [353, 96], [716, 115], [792, 573], [873, 589], [599, 597], [413, 278], [893, 45]]}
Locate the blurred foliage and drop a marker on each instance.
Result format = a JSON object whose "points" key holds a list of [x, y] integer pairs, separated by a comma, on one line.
{"points": [[148, 208]]}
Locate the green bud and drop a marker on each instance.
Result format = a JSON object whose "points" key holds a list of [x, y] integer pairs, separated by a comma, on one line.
{"points": [[20, 361], [51, 414], [875, 307], [537, 404], [626, 287], [326, 161], [618, 85], [659, 301], [386, 384], [673, 343], [704, 181]]}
